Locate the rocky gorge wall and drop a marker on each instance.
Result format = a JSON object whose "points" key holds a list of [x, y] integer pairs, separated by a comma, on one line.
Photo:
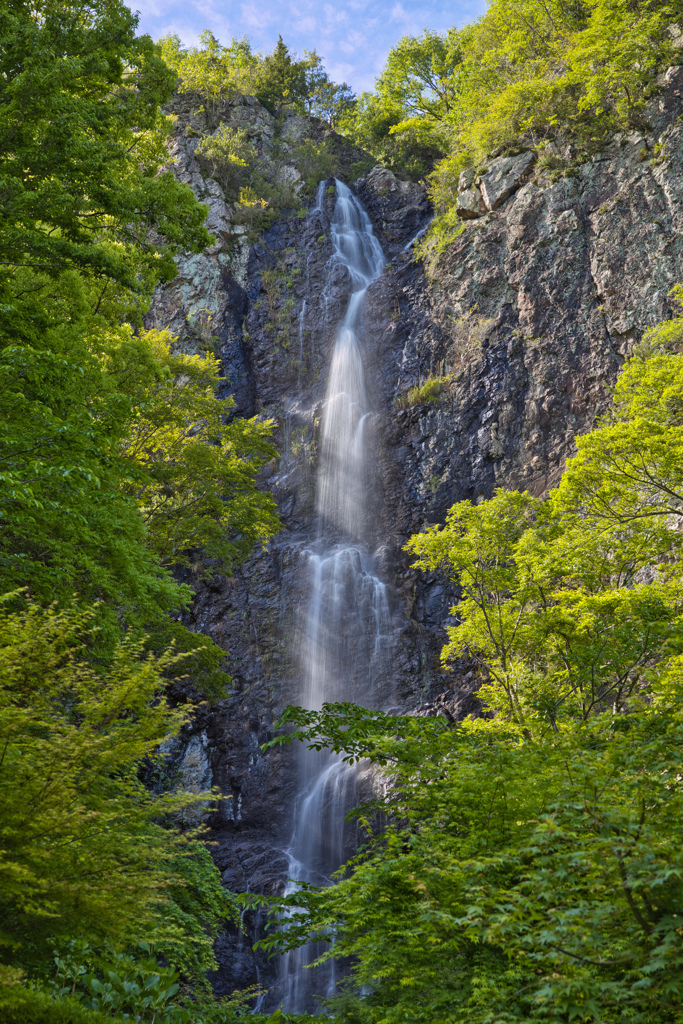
{"points": [[527, 316]]}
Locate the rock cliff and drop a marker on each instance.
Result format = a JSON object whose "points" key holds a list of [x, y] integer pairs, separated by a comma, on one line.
{"points": [[523, 321]]}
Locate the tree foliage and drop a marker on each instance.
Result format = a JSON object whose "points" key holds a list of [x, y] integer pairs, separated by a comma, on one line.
{"points": [[82, 142], [280, 79], [118, 463], [83, 850], [212, 70], [524, 75], [115, 460]]}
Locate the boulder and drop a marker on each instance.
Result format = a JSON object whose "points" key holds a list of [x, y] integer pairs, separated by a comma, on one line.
{"points": [[466, 179], [504, 176], [470, 204]]}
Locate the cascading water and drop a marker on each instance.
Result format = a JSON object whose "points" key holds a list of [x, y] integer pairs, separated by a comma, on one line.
{"points": [[346, 632]]}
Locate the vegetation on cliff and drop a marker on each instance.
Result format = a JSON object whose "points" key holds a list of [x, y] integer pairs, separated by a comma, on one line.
{"points": [[271, 162], [527, 866], [559, 77], [279, 79]]}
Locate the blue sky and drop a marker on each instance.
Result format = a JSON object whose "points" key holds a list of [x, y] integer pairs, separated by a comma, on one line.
{"points": [[352, 37]]}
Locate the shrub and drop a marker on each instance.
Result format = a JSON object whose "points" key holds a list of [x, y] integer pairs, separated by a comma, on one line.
{"points": [[316, 161], [228, 155], [359, 169], [431, 390]]}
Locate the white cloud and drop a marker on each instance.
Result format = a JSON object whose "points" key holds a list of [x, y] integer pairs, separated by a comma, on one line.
{"points": [[307, 25], [354, 42], [334, 15], [256, 17]]}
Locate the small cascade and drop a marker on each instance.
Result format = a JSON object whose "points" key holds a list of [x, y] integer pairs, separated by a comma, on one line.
{"points": [[416, 238], [319, 198], [346, 632]]}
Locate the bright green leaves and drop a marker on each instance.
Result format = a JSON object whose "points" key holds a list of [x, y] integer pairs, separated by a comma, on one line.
{"points": [[82, 142], [405, 121], [279, 79], [568, 604], [228, 155], [600, 877], [568, 72], [421, 75], [213, 71], [82, 850], [115, 460], [119, 986], [620, 50], [632, 467], [117, 463], [512, 881], [191, 473], [524, 75]]}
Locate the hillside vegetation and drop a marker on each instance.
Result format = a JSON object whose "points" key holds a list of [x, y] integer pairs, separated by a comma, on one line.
{"points": [[558, 76], [117, 464]]}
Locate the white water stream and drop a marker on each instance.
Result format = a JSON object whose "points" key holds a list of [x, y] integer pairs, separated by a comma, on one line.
{"points": [[346, 632]]}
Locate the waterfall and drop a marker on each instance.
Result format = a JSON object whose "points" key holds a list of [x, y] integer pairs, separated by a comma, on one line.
{"points": [[346, 628]]}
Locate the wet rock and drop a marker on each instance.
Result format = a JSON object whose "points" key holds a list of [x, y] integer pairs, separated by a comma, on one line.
{"points": [[187, 766], [503, 177], [398, 209], [532, 312]]}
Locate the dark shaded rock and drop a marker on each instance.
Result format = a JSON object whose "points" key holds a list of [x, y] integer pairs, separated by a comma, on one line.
{"points": [[398, 209]]}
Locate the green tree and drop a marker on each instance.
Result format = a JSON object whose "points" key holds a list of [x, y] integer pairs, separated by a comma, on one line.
{"points": [[229, 156], [421, 74], [82, 145], [116, 462], [369, 124], [191, 471], [212, 71], [89, 226], [323, 97], [83, 850], [524, 75], [283, 79], [515, 881], [331, 102]]}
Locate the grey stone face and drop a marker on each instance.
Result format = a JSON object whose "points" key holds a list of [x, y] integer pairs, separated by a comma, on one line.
{"points": [[503, 177], [470, 204], [466, 179]]}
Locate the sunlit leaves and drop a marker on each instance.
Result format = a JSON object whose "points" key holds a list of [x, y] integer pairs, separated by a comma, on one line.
{"points": [[83, 852], [81, 147]]}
